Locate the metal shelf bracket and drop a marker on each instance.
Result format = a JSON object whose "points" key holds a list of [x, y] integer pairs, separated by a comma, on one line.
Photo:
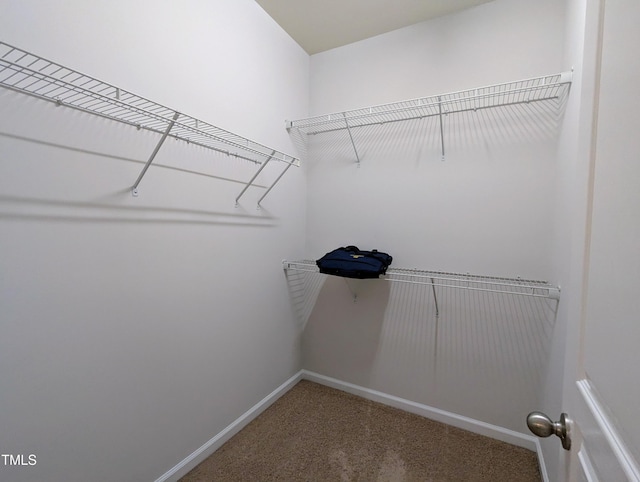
{"points": [[346, 123], [273, 184], [441, 127], [262, 166], [134, 189]]}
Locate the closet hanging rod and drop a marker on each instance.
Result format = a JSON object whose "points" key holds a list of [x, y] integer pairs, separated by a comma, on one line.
{"points": [[27, 73], [492, 284], [538, 89]]}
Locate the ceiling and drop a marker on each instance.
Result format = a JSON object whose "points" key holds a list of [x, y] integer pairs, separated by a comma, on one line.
{"points": [[319, 25]]}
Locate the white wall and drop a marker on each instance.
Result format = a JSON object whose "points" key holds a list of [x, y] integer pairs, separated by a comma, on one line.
{"points": [[492, 43], [488, 209], [135, 329], [131, 336]]}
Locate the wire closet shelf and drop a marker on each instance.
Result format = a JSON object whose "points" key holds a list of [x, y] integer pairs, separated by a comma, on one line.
{"points": [[539, 89], [512, 286], [549, 89], [30, 74]]}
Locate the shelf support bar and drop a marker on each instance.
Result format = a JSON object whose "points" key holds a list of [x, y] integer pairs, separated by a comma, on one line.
{"points": [[435, 298], [134, 189], [441, 128], [264, 164], [274, 183], [351, 137]]}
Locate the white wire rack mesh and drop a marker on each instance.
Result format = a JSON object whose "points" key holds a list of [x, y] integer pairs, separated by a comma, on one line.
{"points": [[33, 75], [514, 286], [549, 88], [448, 338]]}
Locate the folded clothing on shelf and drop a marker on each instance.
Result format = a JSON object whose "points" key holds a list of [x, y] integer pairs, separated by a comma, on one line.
{"points": [[351, 262]]}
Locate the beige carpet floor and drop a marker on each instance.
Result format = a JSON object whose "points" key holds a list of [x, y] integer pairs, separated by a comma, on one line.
{"points": [[316, 433]]}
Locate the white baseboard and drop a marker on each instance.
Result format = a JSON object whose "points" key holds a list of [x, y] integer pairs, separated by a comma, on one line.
{"points": [[460, 421], [192, 461], [481, 428], [466, 423]]}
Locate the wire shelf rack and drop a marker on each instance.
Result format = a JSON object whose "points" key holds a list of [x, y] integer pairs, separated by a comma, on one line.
{"points": [[33, 75], [549, 89], [512, 286], [540, 89]]}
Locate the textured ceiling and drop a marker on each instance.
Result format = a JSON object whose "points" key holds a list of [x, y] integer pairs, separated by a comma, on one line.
{"points": [[319, 25]]}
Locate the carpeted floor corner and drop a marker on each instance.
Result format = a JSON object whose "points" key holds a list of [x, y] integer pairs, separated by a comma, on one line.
{"points": [[316, 433]]}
